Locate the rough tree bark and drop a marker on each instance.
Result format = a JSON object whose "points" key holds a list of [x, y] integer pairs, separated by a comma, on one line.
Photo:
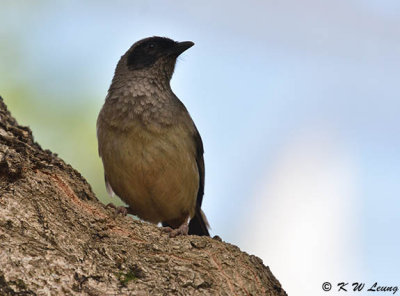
{"points": [[56, 238]]}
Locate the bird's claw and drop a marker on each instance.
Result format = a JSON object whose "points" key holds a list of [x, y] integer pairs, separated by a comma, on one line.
{"points": [[118, 210], [181, 230]]}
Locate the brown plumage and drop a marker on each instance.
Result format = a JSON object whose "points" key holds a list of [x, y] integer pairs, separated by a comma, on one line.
{"points": [[151, 150]]}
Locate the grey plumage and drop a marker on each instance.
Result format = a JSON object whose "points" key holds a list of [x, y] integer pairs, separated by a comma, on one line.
{"points": [[151, 150]]}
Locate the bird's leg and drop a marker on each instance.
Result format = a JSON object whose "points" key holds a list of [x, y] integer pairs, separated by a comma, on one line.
{"points": [[174, 232], [118, 210]]}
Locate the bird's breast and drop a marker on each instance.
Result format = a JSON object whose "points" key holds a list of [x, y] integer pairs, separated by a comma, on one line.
{"points": [[153, 171]]}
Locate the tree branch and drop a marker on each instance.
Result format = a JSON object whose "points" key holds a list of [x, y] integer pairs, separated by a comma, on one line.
{"points": [[56, 238]]}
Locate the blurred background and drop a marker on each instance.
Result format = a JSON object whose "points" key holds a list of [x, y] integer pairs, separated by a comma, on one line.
{"points": [[297, 102]]}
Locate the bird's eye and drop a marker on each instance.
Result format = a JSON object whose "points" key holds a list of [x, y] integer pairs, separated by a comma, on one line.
{"points": [[152, 45]]}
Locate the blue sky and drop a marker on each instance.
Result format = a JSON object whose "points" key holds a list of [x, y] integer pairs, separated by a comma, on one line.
{"points": [[297, 103]]}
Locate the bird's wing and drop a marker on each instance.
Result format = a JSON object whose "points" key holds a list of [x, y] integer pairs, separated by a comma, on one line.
{"points": [[200, 166], [198, 225], [109, 189]]}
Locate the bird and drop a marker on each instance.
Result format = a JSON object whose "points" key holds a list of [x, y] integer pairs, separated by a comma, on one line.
{"points": [[151, 150]]}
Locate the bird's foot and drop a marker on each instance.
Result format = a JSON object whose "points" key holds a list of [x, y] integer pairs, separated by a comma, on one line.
{"points": [[181, 230], [118, 210]]}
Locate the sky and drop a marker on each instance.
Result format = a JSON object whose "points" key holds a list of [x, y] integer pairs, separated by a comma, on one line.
{"points": [[297, 103]]}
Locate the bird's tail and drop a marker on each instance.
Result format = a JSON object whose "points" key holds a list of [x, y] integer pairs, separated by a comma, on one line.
{"points": [[198, 225]]}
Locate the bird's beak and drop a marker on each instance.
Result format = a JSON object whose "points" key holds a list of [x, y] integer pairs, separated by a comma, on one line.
{"points": [[181, 47]]}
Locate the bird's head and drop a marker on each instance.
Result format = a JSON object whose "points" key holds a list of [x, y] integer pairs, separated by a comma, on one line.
{"points": [[155, 54]]}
